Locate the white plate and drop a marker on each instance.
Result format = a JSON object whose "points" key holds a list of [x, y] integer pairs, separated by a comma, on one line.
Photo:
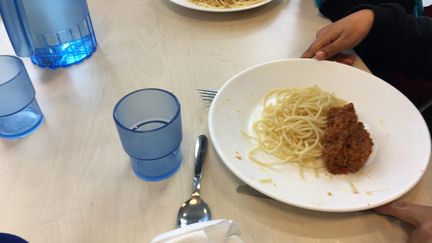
{"points": [[189, 4], [402, 144]]}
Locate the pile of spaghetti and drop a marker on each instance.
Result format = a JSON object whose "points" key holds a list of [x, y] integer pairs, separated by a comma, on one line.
{"points": [[225, 3], [292, 125]]}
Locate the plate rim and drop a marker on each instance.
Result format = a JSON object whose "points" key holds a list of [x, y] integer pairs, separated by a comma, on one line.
{"points": [[216, 10], [245, 180]]}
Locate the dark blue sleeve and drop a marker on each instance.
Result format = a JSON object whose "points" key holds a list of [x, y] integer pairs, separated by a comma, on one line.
{"points": [[336, 9], [398, 41]]}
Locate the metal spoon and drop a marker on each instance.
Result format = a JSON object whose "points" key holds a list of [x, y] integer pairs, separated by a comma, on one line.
{"points": [[195, 210]]}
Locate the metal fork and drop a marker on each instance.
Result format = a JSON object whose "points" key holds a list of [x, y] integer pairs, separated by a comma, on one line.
{"points": [[207, 94]]}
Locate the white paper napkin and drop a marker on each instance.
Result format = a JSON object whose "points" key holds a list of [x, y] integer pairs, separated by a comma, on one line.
{"points": [[214, 231]]}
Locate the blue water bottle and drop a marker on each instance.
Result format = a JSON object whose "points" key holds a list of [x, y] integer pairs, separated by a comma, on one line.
{"points": [[54, 33]]}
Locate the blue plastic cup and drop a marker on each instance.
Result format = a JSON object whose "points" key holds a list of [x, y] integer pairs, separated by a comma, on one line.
{"points": [[149, 125], [20, 114]]}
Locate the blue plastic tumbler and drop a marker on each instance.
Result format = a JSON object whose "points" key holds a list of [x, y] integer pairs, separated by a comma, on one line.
{"points": [[149, 125], [55, 33], [20, 114]]}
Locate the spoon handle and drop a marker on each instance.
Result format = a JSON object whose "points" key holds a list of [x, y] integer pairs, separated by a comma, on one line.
{"points": [[200, 149]]}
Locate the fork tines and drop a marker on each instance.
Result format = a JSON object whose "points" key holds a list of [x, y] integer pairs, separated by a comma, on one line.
{"points": [[207, 94]]}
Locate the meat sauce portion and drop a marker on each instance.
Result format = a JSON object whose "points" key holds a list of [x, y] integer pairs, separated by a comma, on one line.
{"points": [[346, 143]]}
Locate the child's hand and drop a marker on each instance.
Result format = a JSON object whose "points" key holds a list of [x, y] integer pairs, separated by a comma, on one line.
{"points": [[341, 35], [418, 215]]}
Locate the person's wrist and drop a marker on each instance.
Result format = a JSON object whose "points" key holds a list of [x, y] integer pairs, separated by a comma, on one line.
{"points": [[364, 20], [367, 15]]}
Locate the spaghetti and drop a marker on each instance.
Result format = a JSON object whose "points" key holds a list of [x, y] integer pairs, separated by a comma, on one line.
{"points": [[225, 3], [292, 125]]}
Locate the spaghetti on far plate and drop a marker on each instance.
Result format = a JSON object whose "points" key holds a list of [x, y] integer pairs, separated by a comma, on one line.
{"points": [[223, 4]]}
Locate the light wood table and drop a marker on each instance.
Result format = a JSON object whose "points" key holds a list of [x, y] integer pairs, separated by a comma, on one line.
{"points": [[70, 181]]}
